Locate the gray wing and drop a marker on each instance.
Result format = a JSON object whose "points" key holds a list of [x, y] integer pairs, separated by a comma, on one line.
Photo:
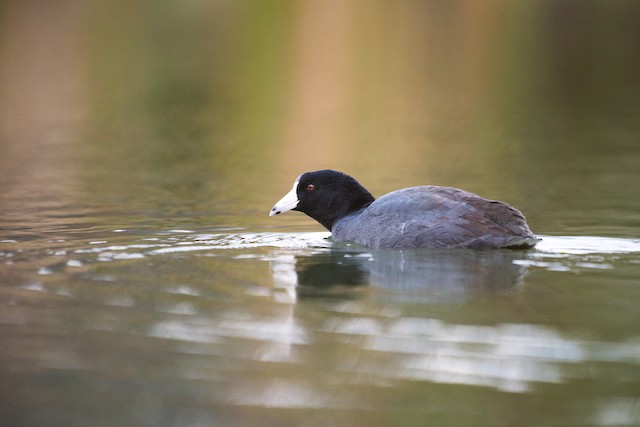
{"points": [[436, 217]]}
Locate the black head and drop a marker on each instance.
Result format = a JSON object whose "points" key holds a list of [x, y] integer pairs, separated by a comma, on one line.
{"points": [[325, 196]]}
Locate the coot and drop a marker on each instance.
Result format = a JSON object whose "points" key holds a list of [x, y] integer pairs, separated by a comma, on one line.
{"points": [[417, 217]]}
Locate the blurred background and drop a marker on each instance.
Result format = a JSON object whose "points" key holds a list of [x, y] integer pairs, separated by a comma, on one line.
{"points": [[143, 143], [221, 104]]}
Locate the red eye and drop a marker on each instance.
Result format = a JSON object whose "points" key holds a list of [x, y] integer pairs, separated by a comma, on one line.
{"points": [[310, 187]]}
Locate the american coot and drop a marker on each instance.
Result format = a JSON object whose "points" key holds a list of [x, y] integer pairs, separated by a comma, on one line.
{"points": [[417, 217]]}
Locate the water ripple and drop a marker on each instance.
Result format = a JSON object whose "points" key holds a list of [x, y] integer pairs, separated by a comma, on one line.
{"points": [[582, 245], [554, 253], [508, 357], [185, 241]]}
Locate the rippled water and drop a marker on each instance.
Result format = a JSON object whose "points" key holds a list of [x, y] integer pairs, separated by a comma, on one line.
{"points": [[185, 327], [142, 145]]}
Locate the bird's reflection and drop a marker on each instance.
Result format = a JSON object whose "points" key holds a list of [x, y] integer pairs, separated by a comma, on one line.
{"points": [[405, 275]]}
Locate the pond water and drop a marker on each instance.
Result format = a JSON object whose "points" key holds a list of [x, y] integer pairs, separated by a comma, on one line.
{"points": [[143, 283], [222, 327]]}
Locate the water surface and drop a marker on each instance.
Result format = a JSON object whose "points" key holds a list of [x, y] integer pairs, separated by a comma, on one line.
{"points": [[142, 146], [182, 326]]}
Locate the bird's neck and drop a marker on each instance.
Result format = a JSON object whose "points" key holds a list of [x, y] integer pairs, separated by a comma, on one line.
{"points": [[339, 209]]}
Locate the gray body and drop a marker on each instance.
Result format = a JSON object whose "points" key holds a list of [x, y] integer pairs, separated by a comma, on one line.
{"points": [[435, 217]]}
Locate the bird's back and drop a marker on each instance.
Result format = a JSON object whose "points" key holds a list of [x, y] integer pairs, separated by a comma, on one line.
{"points": [[435, 217]]}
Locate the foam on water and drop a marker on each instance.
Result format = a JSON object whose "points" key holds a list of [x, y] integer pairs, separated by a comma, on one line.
{"points": [[582, 245], [590, 251]]}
